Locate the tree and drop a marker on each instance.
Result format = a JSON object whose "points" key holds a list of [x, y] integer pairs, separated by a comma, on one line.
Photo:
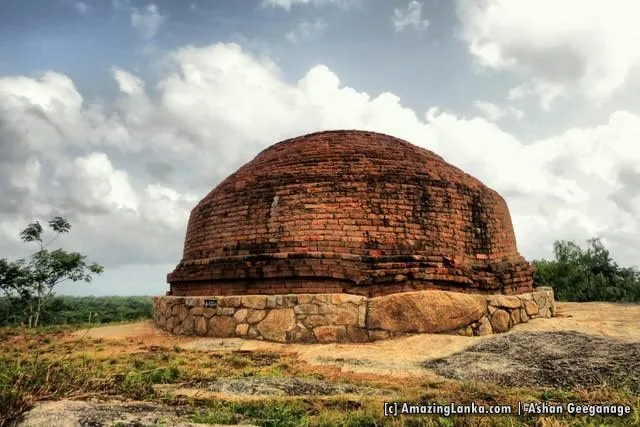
{"points": [[587, 275], [30, 284], [13, 282]]}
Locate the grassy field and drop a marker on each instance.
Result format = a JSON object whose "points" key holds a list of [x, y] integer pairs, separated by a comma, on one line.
{"points": [[53, 363]]}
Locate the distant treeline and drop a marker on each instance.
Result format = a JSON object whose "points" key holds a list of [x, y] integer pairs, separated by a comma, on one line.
{"points": [[61, 310], [590, 274]]}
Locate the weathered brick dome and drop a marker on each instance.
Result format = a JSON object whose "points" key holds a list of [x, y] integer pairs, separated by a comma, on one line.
{"points": [[351, 212]]}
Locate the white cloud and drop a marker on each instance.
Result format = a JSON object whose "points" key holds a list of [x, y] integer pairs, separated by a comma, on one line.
{"points": [[587, 44], [128, 83], [36, 109], [306, 30], [166, 205], [410, 16], [148, 21], [96, 184], [547, 93], [494, 112], [215, 107]]}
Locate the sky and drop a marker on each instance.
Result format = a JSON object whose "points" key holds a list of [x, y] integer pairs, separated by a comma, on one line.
{"points": [[120, 115]]}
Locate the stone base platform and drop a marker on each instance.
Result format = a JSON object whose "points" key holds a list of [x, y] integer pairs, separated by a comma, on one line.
{"points": [[310, 318]]}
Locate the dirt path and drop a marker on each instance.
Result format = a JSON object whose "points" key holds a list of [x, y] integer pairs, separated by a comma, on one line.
{"points": [[402, 356]]}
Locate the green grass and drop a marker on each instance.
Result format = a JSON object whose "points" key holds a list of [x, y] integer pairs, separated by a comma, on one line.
{"points": [[268, 413]]}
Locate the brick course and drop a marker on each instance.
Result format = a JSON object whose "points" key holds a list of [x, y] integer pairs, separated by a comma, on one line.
{"points": [[349, 211]]}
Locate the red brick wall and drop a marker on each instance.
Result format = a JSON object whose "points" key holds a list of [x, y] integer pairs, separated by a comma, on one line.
{"points": [[349, 208]]}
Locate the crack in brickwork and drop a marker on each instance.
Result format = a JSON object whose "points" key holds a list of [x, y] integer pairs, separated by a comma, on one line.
{"points": [[349, 211]]}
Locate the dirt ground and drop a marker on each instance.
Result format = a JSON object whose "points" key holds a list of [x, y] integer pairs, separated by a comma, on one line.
{"points": [[612, 325]]}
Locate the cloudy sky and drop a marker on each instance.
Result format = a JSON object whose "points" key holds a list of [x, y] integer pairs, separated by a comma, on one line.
{"points": [[121, 115]]}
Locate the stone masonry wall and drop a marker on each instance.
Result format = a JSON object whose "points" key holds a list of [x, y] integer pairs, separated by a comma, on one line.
{"points": [[309, 318], [349, 211]]}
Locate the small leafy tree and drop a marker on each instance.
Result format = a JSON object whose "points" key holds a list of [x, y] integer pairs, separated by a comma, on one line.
{"points": [[30, 284]]}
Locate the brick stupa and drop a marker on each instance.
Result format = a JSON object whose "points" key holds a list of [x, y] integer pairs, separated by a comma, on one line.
{"points": [[349, 212]]}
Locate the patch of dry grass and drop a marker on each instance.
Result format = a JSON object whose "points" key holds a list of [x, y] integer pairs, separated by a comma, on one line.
{"points": [[48, 365]]}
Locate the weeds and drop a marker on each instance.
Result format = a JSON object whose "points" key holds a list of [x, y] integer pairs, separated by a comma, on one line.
{"points": [[24, 382]]}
